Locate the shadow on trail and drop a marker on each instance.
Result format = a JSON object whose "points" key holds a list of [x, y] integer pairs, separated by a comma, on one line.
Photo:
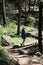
{"points": [[2, 62], [26, 50]]}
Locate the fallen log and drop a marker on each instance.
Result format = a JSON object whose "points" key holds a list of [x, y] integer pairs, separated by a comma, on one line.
{"points": [[22, 51]]}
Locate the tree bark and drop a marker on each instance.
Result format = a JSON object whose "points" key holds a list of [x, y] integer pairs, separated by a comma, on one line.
{"points": [[3, 12], [29, 4], [40, 28], [19, 16], [25, 14]]}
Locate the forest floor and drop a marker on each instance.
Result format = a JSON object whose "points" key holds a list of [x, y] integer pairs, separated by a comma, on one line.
{"points": [[26, 59]]}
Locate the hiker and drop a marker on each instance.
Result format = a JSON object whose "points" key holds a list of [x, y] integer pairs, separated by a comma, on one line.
{"points": [[23, 35]]}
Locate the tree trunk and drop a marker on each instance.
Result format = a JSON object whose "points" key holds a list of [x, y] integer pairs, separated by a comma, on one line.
{"points": [[19, 16], [25, 13], [29, 4], [3, 12], [40, 28]]}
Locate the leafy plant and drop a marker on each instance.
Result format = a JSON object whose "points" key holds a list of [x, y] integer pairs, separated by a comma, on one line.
{"points": [[30, 19], [5, 58], [3, 53]]}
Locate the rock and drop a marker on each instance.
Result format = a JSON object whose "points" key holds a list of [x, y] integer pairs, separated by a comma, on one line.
{"points": [[35, 57], [7, 39], [35, 61], [41, 56], [38, 53]]}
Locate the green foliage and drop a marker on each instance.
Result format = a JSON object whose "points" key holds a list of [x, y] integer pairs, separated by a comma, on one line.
{"points": [[4, 56], [11, 30], [31, 29], [30, 19], [17, 40], [4, 53], [35, 44]]}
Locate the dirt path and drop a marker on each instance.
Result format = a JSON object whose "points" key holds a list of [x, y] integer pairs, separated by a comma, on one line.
{"points": [[31, 42], [26, 43], [25, 59]]}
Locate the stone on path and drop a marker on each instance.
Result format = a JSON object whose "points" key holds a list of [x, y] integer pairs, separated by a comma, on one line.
{"points": [[38, 54], [7, 39]]}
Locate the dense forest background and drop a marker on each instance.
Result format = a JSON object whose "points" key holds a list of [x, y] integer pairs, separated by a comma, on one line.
{"points": [[16, 15], [12, 10]]}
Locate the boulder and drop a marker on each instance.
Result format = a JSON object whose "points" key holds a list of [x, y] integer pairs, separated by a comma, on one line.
{"points": [[7, 39], [38, 54]]}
